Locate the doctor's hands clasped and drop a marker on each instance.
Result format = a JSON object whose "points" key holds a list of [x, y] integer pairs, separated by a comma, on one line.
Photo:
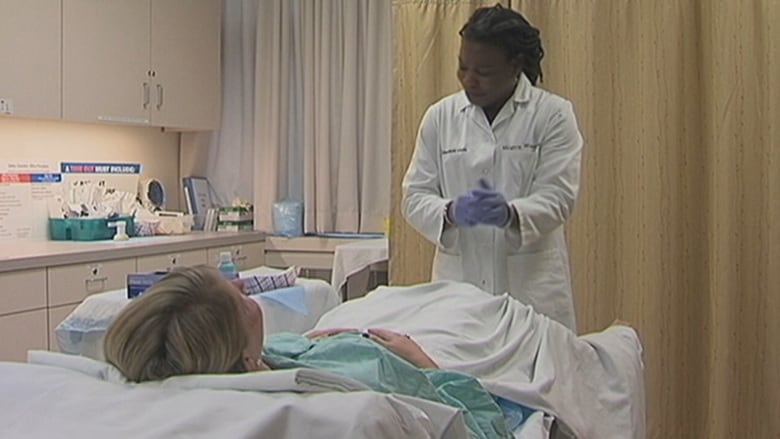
{"points": [[483, 205]]}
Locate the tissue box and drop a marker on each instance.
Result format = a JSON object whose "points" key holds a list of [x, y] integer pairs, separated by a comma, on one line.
{"points": [[137, 283], [87, 229]]}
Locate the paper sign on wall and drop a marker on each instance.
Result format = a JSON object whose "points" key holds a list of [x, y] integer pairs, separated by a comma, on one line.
{"points": [[25, 188], [117, 176]]}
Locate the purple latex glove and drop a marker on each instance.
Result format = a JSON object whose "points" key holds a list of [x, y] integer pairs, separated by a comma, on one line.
{"points": [[493, 207], [465, 209]]}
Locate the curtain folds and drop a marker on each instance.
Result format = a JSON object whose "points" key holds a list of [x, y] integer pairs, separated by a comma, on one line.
{"points": [[676, 228], [306, 112], [323, 112]]}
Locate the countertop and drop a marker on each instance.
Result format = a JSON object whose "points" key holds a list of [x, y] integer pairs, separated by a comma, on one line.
{"points": [[26, 254]]}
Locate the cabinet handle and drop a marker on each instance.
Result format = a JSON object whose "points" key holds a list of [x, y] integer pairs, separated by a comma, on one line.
{"points": [[146, 95], [159, 96]]}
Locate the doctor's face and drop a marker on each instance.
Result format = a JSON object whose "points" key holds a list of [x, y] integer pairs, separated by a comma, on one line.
{"points": [[486, 74]]}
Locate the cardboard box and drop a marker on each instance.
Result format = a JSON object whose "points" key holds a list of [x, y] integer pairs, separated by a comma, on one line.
{"points": [[138, 283]]}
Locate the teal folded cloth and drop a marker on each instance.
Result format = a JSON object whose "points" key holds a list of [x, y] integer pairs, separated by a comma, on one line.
{"points": [[359, 358]]}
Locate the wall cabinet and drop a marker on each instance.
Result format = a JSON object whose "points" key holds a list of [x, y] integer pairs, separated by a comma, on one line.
{"points": [[149, 62], [30, 58]]}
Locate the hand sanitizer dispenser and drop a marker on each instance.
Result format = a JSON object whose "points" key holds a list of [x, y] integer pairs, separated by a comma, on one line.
{"points": [[121, 230]]}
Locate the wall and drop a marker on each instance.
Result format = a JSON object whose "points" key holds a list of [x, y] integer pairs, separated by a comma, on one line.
{"points": [[56, 141]]}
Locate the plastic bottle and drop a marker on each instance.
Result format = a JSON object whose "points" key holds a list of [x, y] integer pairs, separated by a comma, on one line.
{"points": [[226, 266], [121, 230]]}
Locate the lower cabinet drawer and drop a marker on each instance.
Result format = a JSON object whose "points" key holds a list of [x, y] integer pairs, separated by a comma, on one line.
{"points": [[169, 261], [70, 284], [22, 332]]}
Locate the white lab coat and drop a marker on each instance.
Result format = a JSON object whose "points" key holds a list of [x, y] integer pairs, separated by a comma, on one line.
{"points": [[531, 154]]}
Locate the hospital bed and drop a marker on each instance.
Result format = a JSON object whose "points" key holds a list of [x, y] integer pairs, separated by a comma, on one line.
{"points": [[588, 387]]}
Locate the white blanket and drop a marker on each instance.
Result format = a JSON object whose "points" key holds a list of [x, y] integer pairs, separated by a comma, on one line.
{"points": [[69, 396], [593, 383]]}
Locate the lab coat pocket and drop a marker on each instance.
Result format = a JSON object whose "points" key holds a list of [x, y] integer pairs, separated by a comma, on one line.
{"points": [[540, 279], [447, 266], [519, 165]]}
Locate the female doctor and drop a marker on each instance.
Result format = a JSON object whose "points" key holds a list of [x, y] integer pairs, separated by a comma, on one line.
{"points": [[496, 170]]}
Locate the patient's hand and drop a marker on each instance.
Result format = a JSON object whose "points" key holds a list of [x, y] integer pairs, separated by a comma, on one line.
{"points": [[403, 346]]}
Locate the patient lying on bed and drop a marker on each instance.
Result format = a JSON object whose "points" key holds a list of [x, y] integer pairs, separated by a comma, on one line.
{"points": [[194, 321]]}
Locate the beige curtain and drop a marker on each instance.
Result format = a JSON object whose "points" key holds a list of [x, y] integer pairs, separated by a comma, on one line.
{"points": [[676, 228], [425, 62]]}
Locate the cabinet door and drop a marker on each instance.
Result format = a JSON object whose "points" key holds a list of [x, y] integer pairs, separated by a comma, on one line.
{"points": [[70, 284], [22, 332], [105, 60], [186, 59], [245, 256], [22, 290], [171, 260], [30, 57]]}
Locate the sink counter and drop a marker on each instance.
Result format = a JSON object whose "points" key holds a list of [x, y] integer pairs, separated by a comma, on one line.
{"points": [[28, 254]]}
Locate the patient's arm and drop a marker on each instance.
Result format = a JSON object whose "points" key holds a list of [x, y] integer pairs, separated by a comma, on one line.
{"points": [[403, 346]]}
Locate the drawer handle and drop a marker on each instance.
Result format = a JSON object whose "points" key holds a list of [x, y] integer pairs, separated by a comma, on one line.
{"points": [[95, 285]]}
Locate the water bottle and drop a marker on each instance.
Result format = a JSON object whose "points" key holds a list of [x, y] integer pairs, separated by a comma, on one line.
{"points": [[226, 266]]}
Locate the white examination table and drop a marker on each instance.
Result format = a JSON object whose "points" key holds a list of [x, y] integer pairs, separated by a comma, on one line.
{"points": [[593, 383]]}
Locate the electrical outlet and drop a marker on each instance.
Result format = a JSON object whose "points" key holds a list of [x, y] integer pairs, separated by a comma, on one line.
{"points": [[6, 106]]}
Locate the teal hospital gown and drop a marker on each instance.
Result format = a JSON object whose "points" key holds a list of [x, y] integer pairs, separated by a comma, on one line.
{"points": [[361, 359]]}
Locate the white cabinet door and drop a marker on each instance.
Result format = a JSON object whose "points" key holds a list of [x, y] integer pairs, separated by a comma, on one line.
{"points": [[186, 60], [149, 62], [105, 60], [22, 290], [20, 333], [30, 58], [170, 261], [70, 284], [245, 256]]}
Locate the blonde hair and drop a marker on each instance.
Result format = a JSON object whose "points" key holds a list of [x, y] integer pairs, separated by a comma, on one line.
{"points": [[187, 323]]}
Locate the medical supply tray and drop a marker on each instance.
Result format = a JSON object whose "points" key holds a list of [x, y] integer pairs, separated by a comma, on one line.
{"points": [[87, 229]]}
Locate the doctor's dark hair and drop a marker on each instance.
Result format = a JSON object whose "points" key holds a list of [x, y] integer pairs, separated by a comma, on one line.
{"points": [[511, 32]]}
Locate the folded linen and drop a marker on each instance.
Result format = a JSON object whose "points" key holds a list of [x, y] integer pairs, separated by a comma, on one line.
{"points": [[258, 283], [288, 380]]}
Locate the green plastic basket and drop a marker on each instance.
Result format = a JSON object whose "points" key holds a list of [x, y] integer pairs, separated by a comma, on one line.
{"points": [[87, 229]]}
